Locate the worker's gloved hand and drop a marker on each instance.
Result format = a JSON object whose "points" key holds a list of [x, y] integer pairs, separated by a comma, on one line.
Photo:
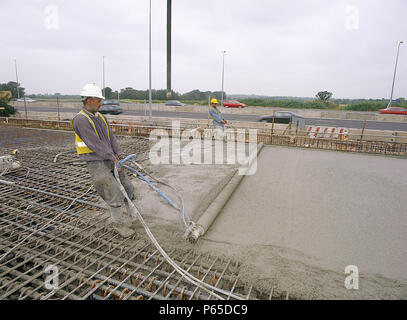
{"points": [[116, 160], [121, 157]]}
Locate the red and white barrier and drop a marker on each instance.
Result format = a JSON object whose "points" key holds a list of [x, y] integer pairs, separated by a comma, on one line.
{"points": [[327, 132]]}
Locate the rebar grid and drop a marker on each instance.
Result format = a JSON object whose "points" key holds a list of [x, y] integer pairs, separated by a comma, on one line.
{"points": [[96, 263]]}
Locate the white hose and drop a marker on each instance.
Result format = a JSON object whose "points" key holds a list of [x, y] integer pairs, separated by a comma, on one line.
{"points": [[184, 273], [186, 219]]}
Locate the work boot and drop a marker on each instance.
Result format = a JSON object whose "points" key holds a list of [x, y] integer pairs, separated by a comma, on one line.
{"points": [[121, 216], [131, 211], [123, 230], [132, 215]]}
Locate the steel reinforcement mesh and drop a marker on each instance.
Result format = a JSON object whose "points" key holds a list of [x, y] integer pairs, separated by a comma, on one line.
{"points": [[65, 250]]}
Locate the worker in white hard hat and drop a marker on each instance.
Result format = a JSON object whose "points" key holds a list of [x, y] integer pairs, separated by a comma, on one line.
{"points": [[218, 120], [97, 145]]}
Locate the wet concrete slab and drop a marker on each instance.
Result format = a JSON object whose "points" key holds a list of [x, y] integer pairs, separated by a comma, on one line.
{"points": [[294, 225], [330, 209]]}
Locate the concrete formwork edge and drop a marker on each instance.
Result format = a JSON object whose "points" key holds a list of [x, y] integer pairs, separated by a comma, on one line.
{"points": [[208, 217]]}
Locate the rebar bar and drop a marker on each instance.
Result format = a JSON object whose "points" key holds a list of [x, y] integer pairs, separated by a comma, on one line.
{"points": [[93, 261]]}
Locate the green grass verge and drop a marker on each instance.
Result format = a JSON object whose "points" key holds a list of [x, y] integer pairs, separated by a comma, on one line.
{"points": [[372, 105]]}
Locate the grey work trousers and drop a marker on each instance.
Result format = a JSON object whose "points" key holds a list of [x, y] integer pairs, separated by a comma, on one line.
{"points": [[219, 131], [106, 185]]}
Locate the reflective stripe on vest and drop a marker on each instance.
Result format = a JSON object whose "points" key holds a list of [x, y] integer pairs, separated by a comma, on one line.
{"points": [[80, 144], [81, 147], [216, 111]]}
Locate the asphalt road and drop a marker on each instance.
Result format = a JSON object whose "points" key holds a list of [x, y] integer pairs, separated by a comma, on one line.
{"points": [[352, 124]]}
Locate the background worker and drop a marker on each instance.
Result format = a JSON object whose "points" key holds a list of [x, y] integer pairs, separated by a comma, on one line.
{"points": [[97, 145], [218, 120]]}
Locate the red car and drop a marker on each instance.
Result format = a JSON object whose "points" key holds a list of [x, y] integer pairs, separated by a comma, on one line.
{"points": [[394, 110], [233, 104]]}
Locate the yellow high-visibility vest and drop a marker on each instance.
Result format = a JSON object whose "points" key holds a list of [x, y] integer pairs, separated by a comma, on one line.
{"points": [[81, 147], [217, 112]]}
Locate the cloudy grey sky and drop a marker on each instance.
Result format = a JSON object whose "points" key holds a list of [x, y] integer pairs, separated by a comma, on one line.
{"points": [[290, 47]]}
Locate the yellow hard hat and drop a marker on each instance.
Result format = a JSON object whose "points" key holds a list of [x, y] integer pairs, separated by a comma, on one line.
{"points": [[214, 101]]}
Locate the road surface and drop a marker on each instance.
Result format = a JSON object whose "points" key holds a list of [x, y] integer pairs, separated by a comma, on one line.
{"points": [[351, 124]]}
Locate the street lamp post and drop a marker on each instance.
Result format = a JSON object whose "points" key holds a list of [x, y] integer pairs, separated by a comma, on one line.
{"points": [[223, 75], [15, 66], [149, 71], [169, 5], [103, 57], [395, 71]]}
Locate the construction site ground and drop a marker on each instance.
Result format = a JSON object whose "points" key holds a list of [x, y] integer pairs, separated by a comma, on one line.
{"points": [[288, 231]]}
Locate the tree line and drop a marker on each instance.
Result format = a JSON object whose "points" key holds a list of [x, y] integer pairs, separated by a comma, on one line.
{"points": [[134, 94], [12, 87], [322, 100], [161, 94], [126, 93], [5, 109]]}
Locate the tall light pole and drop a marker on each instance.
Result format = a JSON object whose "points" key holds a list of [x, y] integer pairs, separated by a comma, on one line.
{"points": [[395, 71], [15, 66], [223, 75], [149, 71], [169, 4], [103, 57]]}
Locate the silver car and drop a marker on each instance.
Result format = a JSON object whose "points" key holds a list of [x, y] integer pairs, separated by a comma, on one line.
{"points": [[285, 117]]}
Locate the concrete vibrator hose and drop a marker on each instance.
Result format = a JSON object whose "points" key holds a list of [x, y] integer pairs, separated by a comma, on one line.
{"points": [[205, 286]]}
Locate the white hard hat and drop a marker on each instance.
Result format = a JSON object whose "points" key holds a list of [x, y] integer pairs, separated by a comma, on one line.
{"points": [[91, 90]]}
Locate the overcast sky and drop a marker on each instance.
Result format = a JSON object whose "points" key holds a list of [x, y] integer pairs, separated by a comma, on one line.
{"points": [[279, 48]]}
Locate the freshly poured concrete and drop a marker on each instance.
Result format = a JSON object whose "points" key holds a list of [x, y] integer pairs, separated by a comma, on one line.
{"points": [[194, 182], [323, 208], [294, 226], [198, 184]]}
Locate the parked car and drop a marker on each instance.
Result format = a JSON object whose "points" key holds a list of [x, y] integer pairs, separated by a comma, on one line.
{"points": [[233, 104], [111, 107], [174, 103], [284, 117], [394, 110]]}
